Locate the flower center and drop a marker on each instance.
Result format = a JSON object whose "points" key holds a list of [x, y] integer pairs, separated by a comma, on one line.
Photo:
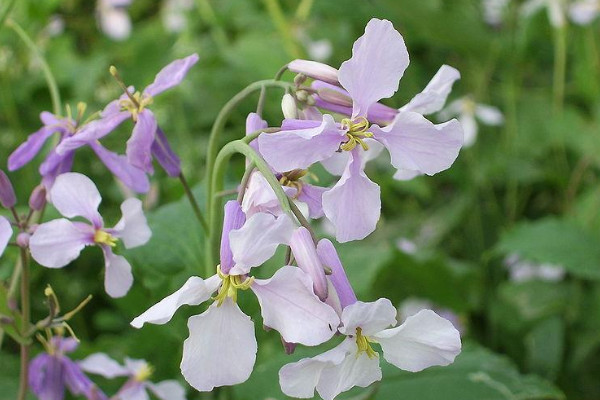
{"points": [[357, 131], [144, 373], [135, 104], [230, 285], [292, 179], [103, 237], [364, 344]]}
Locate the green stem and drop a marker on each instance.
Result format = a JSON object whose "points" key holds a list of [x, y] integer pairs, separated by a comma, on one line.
{"points": [[244, 183], [50, 81], [25, 313], [6, 11], [560, 66], [303, 10], [284, 28], [190, 195], [207, 13]]}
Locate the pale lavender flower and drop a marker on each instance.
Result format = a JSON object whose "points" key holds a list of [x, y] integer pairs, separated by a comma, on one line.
{"points": [[6, 233], [147, 139], [521, 270], [7, 192], [113, 18], [52, 372], [221, 348], [174, 14], [353, 205], [60, 161], [584, 12], [56, 243], [138, 371], [494, 11]]}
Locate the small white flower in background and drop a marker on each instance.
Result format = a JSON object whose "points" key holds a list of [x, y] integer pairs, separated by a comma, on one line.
{"points": [[521, 270], [556, 10], [407, 246], [113, 18], [138, 371], [174, 14], [55, 26], [494, 10], [583, 12], [317, 50], [468, 112]]}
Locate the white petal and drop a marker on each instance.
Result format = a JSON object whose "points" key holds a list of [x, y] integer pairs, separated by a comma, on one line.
{"points": [[256, 241], [115, 23], [75, 195], [406, 174], [167, 390], [585, 11], [336, 164], [556, 13], [289, 305], [371, 317], [137, 391], [433, 97], [5, 233], [133, 228], [422, 341], [470, 129], [489, 115], [260, 197], [195, 291], [221, 348], [56, 243], [102, 364], [117, 276]]}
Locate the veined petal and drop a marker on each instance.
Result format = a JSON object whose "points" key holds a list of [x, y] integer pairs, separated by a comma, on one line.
{"points": [[234, 218], [305, 253], [167, 390], [291, 149], [171, 75], [102, 364], [79, 384], [371, 317], [289, 305], [329, 257], [117, 275], [422, 341], [93, 131], [60, 165], [164, 154], [134, 391], [417, 144], [260, 197], [47, 377], [312, 196], [336, 164], [56, 243], [489, 115], [315, 70], [433, 97], [75, 195], [132, 177], [139, 145], [221, 348], [379, 59], [195, 291], [5, 233], [256, 241], [353, 205], [26, 151], [133, 227]]}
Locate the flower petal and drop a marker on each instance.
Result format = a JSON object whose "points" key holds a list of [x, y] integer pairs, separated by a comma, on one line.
{"points": [[379, 59], [470, 129], [260, 197], [371, 317], [75, 195], [329, 257], [300, 148], [433, 97], [102, 364], [168, 390], [305, 253], [406, 174], [289, 305], [164, 154], [171, 75], [5, 233], [46, 377], [139, 145], [336, 164], [234, 218], [117, 275], [353, 205], [256, 241], [195, 291], [221, 348], [27, 150], [132, 177], [56, 243], [417, 144], [489, 115], [93, 131], [136, 391], [61, 164], [133, 227], [422, 341], [79, 384], [312, 196], [315, 70]]}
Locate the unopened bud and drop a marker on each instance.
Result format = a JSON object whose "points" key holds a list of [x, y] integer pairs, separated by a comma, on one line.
{"points": [[37, 200], [302, 95], [234, 218], [315, 70], [299, 79], [12, 304], [23, 240], [338, 278], [6, 320], [7, 193], [308, 261], [288, 347], [335, 97], [288, 107]]}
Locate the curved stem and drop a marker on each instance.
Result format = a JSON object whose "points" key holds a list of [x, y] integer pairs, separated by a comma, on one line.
{"points": [[6, 11], [193, 202], [560, 66], [25, 314], [50, 81], [244, 183]]}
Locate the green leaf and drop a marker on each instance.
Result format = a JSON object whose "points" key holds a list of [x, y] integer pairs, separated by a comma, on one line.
{"points": [[9, 329]]}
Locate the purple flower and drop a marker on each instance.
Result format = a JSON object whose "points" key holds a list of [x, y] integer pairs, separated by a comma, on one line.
{"points": [[138, 372], [147, 139], [56, 243], [6, 232], [379, 59], [51, 372], [58, 162]]}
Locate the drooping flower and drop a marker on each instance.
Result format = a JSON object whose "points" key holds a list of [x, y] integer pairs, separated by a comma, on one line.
{"points": [[556, 10], [221, 348], [58, 162], [468, 112], [113, 18], [56, 243], [379, 59], [138, 371], [147, 139], [52, 372], [584, 12]]}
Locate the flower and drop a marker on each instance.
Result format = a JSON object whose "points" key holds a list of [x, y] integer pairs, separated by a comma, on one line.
{"points": [[583, 12], [468, 111], [51, 372], [5, 233], [147, 138], [174, 14], [422, 341], [138, 372], [494, 11], [378, 61], [113, 18], [221, 348], [556, 10], [56, 243], [59, 161], [522, 270]]}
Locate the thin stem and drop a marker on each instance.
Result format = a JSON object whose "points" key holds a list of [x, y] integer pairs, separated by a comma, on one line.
{"points": [[303, 10], [560, 66], [25, 314], [261, 101], [50, 81], [193, 202], [244, 183], [207, 13], [303, 221], [284, 28], [6, 11]]}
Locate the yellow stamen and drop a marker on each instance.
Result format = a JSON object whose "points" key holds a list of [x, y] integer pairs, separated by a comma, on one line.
{"points": [[144, 373], [364, 344], [136, 102], [356, 133], [230, 285], [103, 237]]}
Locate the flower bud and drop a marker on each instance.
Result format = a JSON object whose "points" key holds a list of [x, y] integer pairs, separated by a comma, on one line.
{"points": [[23, 240], [306, 256], [315, 70], [7, 193], [288, 347], [339, 280], [234, 219], [288, 107], [37, 200], [335, 97]]}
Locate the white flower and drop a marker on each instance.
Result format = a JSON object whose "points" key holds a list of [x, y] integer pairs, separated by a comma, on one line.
{"points": [[493, 11], [521, 270], [174, 14], [556, 10], [113, 18], [583, 12]]}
